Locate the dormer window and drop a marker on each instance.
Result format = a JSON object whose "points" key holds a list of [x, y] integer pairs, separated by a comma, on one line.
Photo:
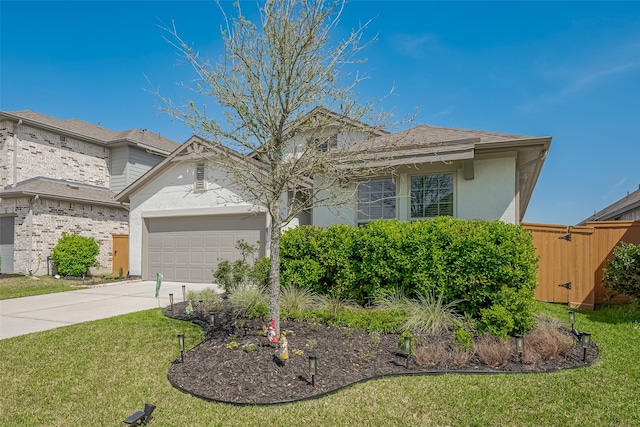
{"points": [[200, 183]]}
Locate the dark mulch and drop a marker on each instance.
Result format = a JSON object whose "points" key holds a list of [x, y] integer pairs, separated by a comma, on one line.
{"points": [[214, 372]]}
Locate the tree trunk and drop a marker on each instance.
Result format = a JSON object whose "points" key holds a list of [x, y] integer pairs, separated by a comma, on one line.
{"points": [[274, 273]]}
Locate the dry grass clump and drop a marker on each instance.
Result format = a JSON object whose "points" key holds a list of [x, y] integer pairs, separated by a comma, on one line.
{"points": [[492, 351], [431, 354], [546, 342], [459, 357], [434, 354]]}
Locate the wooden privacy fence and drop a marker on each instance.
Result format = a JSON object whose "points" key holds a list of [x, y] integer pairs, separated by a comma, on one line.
{"points": [[572, 258]]}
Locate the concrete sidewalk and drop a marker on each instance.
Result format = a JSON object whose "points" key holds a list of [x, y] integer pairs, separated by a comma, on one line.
{"points": [[21, 316]]}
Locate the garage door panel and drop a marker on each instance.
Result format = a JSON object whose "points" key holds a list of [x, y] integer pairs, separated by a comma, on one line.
{"points": [[188, 249]]}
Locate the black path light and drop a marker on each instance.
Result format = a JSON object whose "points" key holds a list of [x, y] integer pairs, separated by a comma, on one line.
{"points": [[211, 318], [572, 318], [585, 338], [171, 301], [184, 293], [201, 308], [520, 346], [313, 368], [181, 345], [407, 347]]}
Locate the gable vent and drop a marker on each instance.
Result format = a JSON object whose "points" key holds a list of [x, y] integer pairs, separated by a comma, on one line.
{"points": [[200, 177]]}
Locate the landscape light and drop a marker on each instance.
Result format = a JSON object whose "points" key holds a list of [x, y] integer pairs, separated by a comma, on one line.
{"points": [[201, 308], [313, 368], [572, 318], [407, 348], [585, 338], [520, 346], [184, 293], [181, 345], [211, 318], [171, 301]]}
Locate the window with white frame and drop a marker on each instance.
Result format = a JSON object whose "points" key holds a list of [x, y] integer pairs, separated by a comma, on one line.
{"points": [[326, 144], [431, 196], [376, 200], [200, 183]]}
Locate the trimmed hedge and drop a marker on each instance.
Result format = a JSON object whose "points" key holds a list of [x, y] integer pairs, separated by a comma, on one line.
{"points": [[490, 264]]}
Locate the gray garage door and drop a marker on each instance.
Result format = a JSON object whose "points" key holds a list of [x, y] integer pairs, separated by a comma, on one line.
{"points": [[6, 243], [187, 249]]}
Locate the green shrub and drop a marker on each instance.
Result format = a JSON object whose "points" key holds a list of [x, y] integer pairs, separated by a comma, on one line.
{"points": [[230, 274], [622, 274], [74, 254], [484, 263]]}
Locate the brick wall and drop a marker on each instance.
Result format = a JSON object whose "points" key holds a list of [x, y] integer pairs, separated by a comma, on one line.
{"points": [[44, 153], [51, 218]]}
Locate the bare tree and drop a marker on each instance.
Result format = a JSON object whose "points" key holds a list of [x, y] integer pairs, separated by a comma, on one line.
{"points": [[286, 92]]}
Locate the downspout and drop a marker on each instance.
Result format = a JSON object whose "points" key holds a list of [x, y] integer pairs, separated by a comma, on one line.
{"points": [[15, 153]]}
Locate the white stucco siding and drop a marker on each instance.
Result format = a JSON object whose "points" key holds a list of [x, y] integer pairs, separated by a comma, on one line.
{"points": [[492, 192], [172, 194]]}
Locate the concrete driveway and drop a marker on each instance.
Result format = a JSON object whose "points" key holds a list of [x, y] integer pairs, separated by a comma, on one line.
{"points": [[21, 316]]}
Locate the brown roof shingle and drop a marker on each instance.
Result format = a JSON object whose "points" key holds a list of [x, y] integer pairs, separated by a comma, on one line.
{"points": [[62, 190], [96, 134]]}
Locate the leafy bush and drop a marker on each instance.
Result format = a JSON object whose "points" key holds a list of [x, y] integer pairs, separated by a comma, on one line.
{"points": [[623, 272], [490, 265], [74, 254], [230, 274]]}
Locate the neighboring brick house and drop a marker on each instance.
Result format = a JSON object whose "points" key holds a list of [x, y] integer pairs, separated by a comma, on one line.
{"points": [[627, 208], [62, 175]]}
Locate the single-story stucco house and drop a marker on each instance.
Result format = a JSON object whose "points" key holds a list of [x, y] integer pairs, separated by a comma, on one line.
{"points": [[184, 215]]}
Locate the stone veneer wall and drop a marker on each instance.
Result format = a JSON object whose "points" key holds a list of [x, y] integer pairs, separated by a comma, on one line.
{"points": [[52, 217], [44, 153]]}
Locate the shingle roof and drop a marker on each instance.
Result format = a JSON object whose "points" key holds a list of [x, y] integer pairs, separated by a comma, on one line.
{"points": [[62, 190], [425, 135], [96, 134], [631, 201]]}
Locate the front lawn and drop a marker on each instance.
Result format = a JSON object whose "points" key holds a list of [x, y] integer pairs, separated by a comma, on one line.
{"points": [[100, 372], [24, 286]]}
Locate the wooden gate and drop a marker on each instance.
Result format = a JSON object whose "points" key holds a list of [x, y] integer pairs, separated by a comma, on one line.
{"points": [[120, 248], [572, 258]]}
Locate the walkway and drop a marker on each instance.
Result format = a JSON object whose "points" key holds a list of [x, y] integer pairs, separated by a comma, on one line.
{"points": [[21, 316]]}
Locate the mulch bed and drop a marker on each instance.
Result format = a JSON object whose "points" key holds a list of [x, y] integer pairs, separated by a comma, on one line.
{"points": [[345, 356]]}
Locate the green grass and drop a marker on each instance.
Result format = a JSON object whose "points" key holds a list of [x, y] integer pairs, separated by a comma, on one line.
{"points": [[24, 286], [98, 373]]}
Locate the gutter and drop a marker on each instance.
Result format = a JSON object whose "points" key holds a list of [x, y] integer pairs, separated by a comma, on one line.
{"points": [[16, 128]]}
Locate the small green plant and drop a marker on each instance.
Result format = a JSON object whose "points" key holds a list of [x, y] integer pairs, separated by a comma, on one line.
{"points": [[249, 347], [311, 344], [298, 352], [375, 338], [233, 343], [348, 333], [74, 254], [334, 305], [366, 357], [462, 340]]}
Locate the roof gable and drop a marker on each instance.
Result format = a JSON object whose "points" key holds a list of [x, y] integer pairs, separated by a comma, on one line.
{"points": [[629, 202]]}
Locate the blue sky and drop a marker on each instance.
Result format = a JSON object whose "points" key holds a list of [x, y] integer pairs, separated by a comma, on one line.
{"points": [[570, 70]]}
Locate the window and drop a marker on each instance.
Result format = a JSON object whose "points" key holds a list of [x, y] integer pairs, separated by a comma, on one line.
{"points": [[431, 196], [327, 144], [199, 177], [376, 199]]}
